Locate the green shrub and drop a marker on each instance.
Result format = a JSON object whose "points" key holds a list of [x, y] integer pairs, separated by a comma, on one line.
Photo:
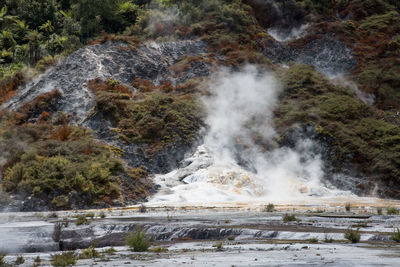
{"points": [[142, 208], [90, 215], [158, 250], [396, 235], [348, 207], [110, 250], [137, 241], [327, 239], [89, 253], [352, 235], [37, 259], [392, 211], [219, 246], [154, 118], [52, 215], [19, 260], [349, 109], [81, 219], [2, 261], [54, 167], [290, 218], [380, 22], [352, 129], [379, 211], [57, 231], [269, 208], [65, 259], [313, 240], [45, 63]]}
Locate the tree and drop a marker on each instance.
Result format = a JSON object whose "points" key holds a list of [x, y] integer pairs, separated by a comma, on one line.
{"points": [[97, 15], [47, 27], [4, 18], [34, 41]]}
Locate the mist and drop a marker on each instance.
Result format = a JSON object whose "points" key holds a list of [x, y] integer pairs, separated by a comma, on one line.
{"points": [[240, 159], [341, 80], [240, 105]]}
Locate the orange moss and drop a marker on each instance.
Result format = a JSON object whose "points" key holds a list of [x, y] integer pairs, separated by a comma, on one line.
{"points": [[44, 116], [185, 64], [132, 41], [42, 103], [143, 85], [97, 85], [61, 133], [9, 87]]}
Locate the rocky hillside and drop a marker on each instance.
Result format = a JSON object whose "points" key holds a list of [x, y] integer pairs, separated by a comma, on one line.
{"points": [[94, 104]]}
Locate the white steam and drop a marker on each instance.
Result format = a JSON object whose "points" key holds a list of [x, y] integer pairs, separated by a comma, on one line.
{"points": [[286, 35], [240, 105], [341, 80], [240, 159]]}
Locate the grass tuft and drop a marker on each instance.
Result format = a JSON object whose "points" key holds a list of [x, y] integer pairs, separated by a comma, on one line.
{"points": [[290, 218], [63, 260], [392, 211], [352, 235], [138, 241], [269, 208]]}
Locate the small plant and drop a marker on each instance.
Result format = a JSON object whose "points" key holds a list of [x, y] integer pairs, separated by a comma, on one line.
{"points": [[379, 211], [231, 238], [89, 253], [328, 239], [290, 218], [313, 240], [20, 260], [64, 259], [110, 251], [392, 211], [158, 250], [396, 235], [52, 215], [2, 262], [142, 208], [102, 215], [138, 241], [81, 219], [347, 206], [269, 208], [37, 259], [352, 235], [219, 246], [227, 221], [169, 217], [57, 231]]}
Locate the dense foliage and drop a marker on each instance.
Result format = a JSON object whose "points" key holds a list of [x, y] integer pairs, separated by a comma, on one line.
{"points": [[60, 164], [156, 118], [357, 132]]}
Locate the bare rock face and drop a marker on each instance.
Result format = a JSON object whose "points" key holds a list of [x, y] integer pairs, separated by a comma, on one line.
{"points": [[107, 60], [327, 54]]}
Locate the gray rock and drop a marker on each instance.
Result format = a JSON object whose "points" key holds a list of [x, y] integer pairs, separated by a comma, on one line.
{"points": [[327, 54]]}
